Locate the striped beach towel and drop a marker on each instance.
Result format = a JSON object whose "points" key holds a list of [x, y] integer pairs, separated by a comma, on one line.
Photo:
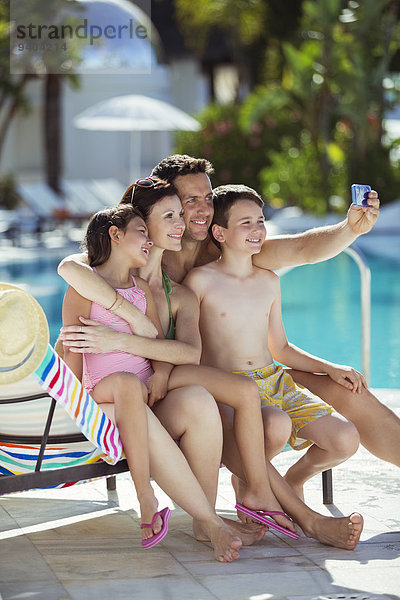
{"points": [[58, 380], [19, 459]]}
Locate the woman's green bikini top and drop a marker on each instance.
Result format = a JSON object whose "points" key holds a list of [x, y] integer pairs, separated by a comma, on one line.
{"points": [[170, 335]]}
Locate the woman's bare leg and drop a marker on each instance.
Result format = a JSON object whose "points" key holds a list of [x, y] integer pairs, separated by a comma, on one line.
{"points": [[171, 471], [340, 532], [368, 414], [190, 415], [242, 395]]}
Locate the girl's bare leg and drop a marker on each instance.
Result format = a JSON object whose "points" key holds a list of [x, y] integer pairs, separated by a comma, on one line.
{"points": [[242, 395], [190, 415], [127, 394], [340, 532]]}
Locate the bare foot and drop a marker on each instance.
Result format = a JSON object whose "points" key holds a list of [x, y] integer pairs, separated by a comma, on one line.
{"points": [[224, 542], [248, 532], [148, 507], [343, 532]]}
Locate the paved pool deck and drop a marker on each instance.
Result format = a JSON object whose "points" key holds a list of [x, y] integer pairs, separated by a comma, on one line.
{"points": [[83, 543]]}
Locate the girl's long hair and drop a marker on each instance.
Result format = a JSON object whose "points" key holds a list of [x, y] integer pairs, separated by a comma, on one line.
{"points": [[97, 240]]}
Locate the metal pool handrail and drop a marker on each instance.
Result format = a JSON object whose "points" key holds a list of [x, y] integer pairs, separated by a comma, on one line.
{"points": [[365, 294]]}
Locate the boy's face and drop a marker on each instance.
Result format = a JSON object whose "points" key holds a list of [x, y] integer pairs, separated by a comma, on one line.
{"points": [[195, 193], [246, 229]]}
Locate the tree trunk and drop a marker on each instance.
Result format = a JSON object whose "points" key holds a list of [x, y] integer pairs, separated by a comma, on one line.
{"points": [[11, 109], [52, 131]]}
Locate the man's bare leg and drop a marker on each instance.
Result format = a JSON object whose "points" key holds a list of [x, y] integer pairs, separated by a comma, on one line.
{"points": [[368, 414], [340, 532], [241, 394]]}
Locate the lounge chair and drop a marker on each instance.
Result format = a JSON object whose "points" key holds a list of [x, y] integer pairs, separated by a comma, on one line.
{"points": [[52, 433]]}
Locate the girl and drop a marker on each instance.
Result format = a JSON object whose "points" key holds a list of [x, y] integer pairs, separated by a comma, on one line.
{"points": [[116, 241]]}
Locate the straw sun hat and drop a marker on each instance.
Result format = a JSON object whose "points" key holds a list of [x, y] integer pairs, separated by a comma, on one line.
{"points": [[24, 334]]}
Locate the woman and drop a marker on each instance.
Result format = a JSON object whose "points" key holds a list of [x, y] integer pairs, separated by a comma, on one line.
{"points": [[178, 309]]}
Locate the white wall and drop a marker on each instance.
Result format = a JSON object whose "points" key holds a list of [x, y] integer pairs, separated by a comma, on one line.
{"points": [[97, 154]]}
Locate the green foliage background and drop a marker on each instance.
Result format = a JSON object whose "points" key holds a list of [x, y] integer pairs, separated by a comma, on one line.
{"points": [[314, 120]]}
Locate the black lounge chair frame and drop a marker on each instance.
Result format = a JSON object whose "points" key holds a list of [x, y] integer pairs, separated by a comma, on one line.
{"points": [[52, 477]]}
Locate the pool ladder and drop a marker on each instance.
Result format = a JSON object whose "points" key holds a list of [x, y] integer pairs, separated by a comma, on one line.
{"points": [[365, 293]]}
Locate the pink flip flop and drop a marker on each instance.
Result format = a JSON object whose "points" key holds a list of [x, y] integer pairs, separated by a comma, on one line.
{"points": [[157, 537], [260, 515]]}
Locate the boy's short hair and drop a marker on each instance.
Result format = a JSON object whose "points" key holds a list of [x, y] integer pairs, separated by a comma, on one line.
{"points": [[224, 197], [181, 164]]}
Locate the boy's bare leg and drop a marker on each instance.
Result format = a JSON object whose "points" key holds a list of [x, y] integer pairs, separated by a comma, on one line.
{"points": [[242, 395], [334, 440], [368, 414], [340, 532], [190, 415]]}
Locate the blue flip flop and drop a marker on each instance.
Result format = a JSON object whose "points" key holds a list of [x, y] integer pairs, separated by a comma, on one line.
{"points": [[261, 516], [157, 537]]}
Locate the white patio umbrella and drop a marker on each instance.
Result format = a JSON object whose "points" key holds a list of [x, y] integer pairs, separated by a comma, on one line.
{"points": [[135, 113]]}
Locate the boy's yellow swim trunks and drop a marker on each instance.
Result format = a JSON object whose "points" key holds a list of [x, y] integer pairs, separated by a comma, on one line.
{"points": [[278, 389]]}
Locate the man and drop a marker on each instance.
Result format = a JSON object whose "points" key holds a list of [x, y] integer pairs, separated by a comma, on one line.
{"points": [[191, 177]]}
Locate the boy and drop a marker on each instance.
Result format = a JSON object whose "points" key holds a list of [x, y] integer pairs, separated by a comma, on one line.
{"points": [[242, 331]]}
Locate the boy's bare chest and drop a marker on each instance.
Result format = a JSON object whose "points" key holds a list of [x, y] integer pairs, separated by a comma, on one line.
{"points": [[238, 302]]}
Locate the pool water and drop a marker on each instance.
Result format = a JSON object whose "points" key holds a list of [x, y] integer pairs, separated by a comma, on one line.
{"points": [[322, 314], [321, 309]]}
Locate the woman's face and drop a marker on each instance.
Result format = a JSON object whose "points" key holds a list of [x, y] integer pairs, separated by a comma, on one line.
{"points": [[165, 223]]}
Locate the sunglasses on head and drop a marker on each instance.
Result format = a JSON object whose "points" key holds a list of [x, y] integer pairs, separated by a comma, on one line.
{"points": [[145, 182]]}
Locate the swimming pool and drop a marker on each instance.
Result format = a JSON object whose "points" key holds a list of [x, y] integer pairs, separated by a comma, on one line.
{"points": [[321, 309], [321, 313]]}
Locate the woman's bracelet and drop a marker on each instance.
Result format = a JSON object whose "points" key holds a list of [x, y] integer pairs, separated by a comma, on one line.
{"points": [[117, 302]]}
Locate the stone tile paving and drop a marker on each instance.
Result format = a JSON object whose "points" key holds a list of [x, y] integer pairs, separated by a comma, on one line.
{"points": [[81, 543]]}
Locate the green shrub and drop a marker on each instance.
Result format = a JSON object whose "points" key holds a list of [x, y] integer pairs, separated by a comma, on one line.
{"points": [[237, 145], [295, 177]]}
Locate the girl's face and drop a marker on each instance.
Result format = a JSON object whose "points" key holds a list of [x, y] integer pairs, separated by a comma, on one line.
{"points": [[166, 224], [135, 241]]}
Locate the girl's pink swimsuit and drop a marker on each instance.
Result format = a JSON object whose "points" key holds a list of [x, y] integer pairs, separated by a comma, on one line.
{"points": [[98, 366]]}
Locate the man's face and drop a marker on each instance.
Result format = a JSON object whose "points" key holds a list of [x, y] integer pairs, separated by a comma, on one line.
{"points": [[195, 193]]}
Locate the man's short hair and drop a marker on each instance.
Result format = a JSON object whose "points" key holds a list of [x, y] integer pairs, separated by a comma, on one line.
{"points": [[224, 197], [181, 164]]}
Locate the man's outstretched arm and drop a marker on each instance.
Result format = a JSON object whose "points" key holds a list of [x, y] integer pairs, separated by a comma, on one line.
{"points": [[322, 243]]}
